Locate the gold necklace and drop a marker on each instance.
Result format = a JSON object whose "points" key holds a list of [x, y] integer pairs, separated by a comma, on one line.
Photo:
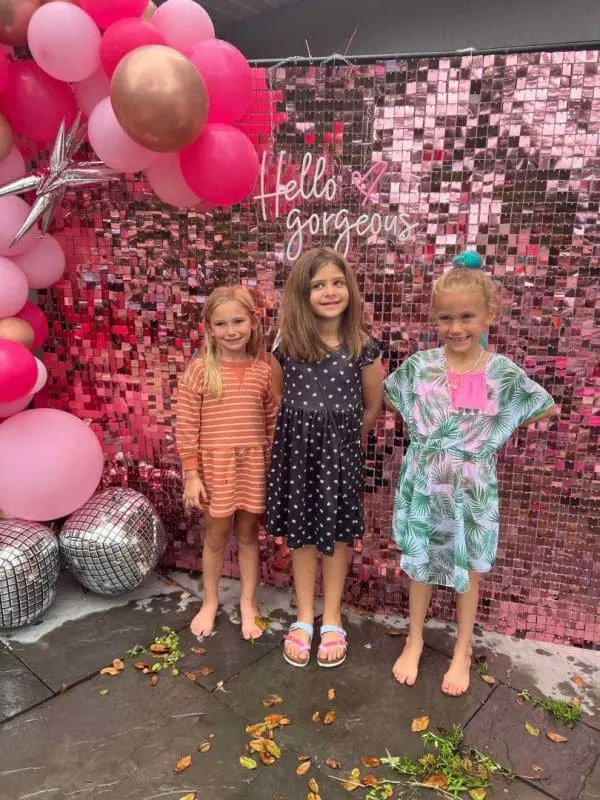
{"points": [[454, 384]]}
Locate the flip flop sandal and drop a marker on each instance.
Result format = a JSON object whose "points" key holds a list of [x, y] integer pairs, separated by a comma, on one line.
{"points": [[340, 641], [303, 647]]}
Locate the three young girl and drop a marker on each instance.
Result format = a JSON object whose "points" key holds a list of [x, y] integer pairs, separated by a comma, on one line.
{"points": [[459, 402]]}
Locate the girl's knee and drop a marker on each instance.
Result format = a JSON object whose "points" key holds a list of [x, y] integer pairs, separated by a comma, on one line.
{"points": [[247, 536]]}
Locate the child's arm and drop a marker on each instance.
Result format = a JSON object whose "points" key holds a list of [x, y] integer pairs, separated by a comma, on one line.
{"points": [[372, 396], [273, 399], [276, 378], [187, 434]]}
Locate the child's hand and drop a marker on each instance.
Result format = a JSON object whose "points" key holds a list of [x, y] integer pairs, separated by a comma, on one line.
{"points": [[193, 491]]}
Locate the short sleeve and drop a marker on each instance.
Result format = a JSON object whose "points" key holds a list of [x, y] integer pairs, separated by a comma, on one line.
{"points": [[398, 388], [526, 398], [371, 352]]}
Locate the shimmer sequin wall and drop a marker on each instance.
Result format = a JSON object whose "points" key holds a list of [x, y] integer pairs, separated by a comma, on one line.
{"points": [[497, 152]]}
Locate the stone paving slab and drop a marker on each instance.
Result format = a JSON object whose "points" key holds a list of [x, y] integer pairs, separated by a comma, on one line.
{"points": [[19, 687], [592, 785]]}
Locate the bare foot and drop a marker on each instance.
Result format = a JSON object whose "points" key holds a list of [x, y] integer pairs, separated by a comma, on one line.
{"points": [[406, 667], [458, 677], [292, 650], [204, 621], [250, 611]]}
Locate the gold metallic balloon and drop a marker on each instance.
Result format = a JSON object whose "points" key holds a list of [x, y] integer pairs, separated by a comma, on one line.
{"points": [[150, 10], [14, 19], [17, 330], [159, 98], [6, 137]]}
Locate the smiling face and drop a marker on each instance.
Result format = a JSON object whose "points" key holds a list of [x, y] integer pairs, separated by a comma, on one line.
{"points": [[231, 326], [461, 316], [329, 295]]}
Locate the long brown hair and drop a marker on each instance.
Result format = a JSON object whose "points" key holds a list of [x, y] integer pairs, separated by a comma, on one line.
{"points": [[213, 380], [299, 331]]}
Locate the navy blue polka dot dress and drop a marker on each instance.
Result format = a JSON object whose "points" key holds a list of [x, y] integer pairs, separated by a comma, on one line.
{"points": [[314, 494]]}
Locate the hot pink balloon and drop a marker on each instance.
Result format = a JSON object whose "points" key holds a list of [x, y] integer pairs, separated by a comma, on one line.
{"points": [[228, 79], [13, 213], [167, 182], [64, 41], [43, 264], [9, 409], [113, 145], [37, 319], [35, 103], [13, 288], [51, 464], [3, 69], [105, 12], [18, 373], [124, 36], [184, 23], [91, 91], [12, 167], [221, 166]]}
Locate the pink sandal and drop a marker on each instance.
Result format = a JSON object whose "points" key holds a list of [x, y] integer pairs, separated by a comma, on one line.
{"points": [[341, 640], [303, 647]]}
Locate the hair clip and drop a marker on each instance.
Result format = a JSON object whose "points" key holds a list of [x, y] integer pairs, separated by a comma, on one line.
{"points": [[470, 259]]}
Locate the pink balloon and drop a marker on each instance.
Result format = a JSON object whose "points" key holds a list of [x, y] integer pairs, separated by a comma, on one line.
{"points": [[3, 69], [228, 79], [18, 373], [13, 213], [13, 288], [42, 376], [124, 36], [91, 91], [221, 166], [42, 265], [50, 464], [105, 12], [184, 23], [64, 41], [113, 145], [12, 167], [37, 319], [167, 182], [8, 409], [35, 103]]}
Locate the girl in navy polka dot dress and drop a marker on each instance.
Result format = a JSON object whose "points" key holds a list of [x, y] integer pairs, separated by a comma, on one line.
{"points": [[328, 372]]}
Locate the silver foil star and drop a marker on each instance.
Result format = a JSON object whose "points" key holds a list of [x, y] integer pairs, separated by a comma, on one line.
{"points": [[62, 173]]}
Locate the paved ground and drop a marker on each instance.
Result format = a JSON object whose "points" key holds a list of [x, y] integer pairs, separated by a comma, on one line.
{"points": [[63, 736]]}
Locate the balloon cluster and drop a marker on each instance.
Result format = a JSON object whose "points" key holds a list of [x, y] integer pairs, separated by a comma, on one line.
{"points": [[161, 93]]}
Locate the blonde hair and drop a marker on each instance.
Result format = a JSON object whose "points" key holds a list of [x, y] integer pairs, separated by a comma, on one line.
{"points": [[469, 280], [213, 379], [300, 337]]}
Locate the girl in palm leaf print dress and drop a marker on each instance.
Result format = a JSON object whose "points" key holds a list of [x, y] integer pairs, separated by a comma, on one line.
{"points": [[460, 405]]}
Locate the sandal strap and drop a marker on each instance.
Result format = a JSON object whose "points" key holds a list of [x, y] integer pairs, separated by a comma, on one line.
{"points": [[303, 647], [302, 626], [329, 645], [333, 629]]}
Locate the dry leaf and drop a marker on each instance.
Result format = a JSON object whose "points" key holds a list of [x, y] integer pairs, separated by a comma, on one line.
{"points": [[303, 768], [435, 782], [532, 729], [267, 759], [370, 761], [200, 651], [489, 679], [204, 746], [578, 681], [183, 764], [353, 782], [370, 780], [273, 720], [146, 670], [333, 763], [477, 794], [158, 649], [191, 676], [396, 631], [313, 796], [104, 692], [109, 671], [190, 796], [419, 724], [313, 785], [118, 664], [329, 718], [248, 763], [556, 737], [141, 665], [272, 748], [207, 671], [153, 680], [256, 730], [520, 701], [63, 688], [257, 745], [262, 623], [303, 757], [220, 685], [331, 694], [537, 768], [272, 700], [316, 717], [285, 721]]}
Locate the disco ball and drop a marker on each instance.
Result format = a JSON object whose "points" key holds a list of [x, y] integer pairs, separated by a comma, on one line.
{"points": [[29, 571], [113, 541]]}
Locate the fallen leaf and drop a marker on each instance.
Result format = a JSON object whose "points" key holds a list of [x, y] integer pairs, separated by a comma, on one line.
{"points": [[578, 681], [146, 670], [532, 729], [520, 701], [220, 685], [313, 785], [153, 680], [158, 649], [262, 623], [370, 780], [419, 724], [316, 717], [200, 651], [537, 768], [273, 720], [104, 692], [257, 745], [190, 796], [272, 748], [331, 694], [267, 759], [477, 794], [435, 782], [313, 796], [63, 688], [329, 718], [272, 700], [257, 730], [303, 768], [118, 664], [191, 676], [353, 782], [303, 757], [204, 746], [141, 665], [370, 761], [396, 631], [333, 763], [248, 763], [556, 737], [207, 671], [183, 764], [109, 671], [489, 679], [285, 721]]}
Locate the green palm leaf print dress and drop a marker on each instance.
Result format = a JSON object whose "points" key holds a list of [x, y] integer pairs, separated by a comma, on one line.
{"points": [[446, 507]]}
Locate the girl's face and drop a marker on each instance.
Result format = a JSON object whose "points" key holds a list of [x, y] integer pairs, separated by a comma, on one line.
{"points": [[329, 296], [231, 326], [461, 316]]}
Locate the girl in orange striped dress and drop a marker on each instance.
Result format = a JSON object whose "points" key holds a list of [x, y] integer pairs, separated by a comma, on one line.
{"points": [[226, 414]]}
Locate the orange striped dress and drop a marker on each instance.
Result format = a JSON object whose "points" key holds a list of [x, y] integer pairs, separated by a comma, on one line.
{"points": [[228, 439]]}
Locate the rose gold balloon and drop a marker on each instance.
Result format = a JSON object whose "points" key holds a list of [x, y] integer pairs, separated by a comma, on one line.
{"points": [[159, 98], [17, 330], [6, 137], [150, 11], [14, 19]]}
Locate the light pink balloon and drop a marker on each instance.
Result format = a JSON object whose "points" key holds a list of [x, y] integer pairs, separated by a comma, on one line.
{"points": [[183, 23], [13, 288], [50, 464], [227, 77], [113, 145], [42, 376], [9, 409], [64, 41], [13, 213], [167, 182], [91, 91], [37, 319], [12, 167], [44, 264]]}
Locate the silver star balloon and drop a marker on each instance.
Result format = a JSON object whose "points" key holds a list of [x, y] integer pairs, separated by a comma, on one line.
{"points": [[62, 173]]}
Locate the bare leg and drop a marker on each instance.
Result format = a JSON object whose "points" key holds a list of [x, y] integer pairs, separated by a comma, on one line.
{"points": [[216, 537], [457, 678], [335, 569], [246, 531], [406, 667], [304, 568]]}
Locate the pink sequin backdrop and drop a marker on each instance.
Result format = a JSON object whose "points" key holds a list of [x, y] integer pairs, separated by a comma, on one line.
{"points": [[501, 153]]}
